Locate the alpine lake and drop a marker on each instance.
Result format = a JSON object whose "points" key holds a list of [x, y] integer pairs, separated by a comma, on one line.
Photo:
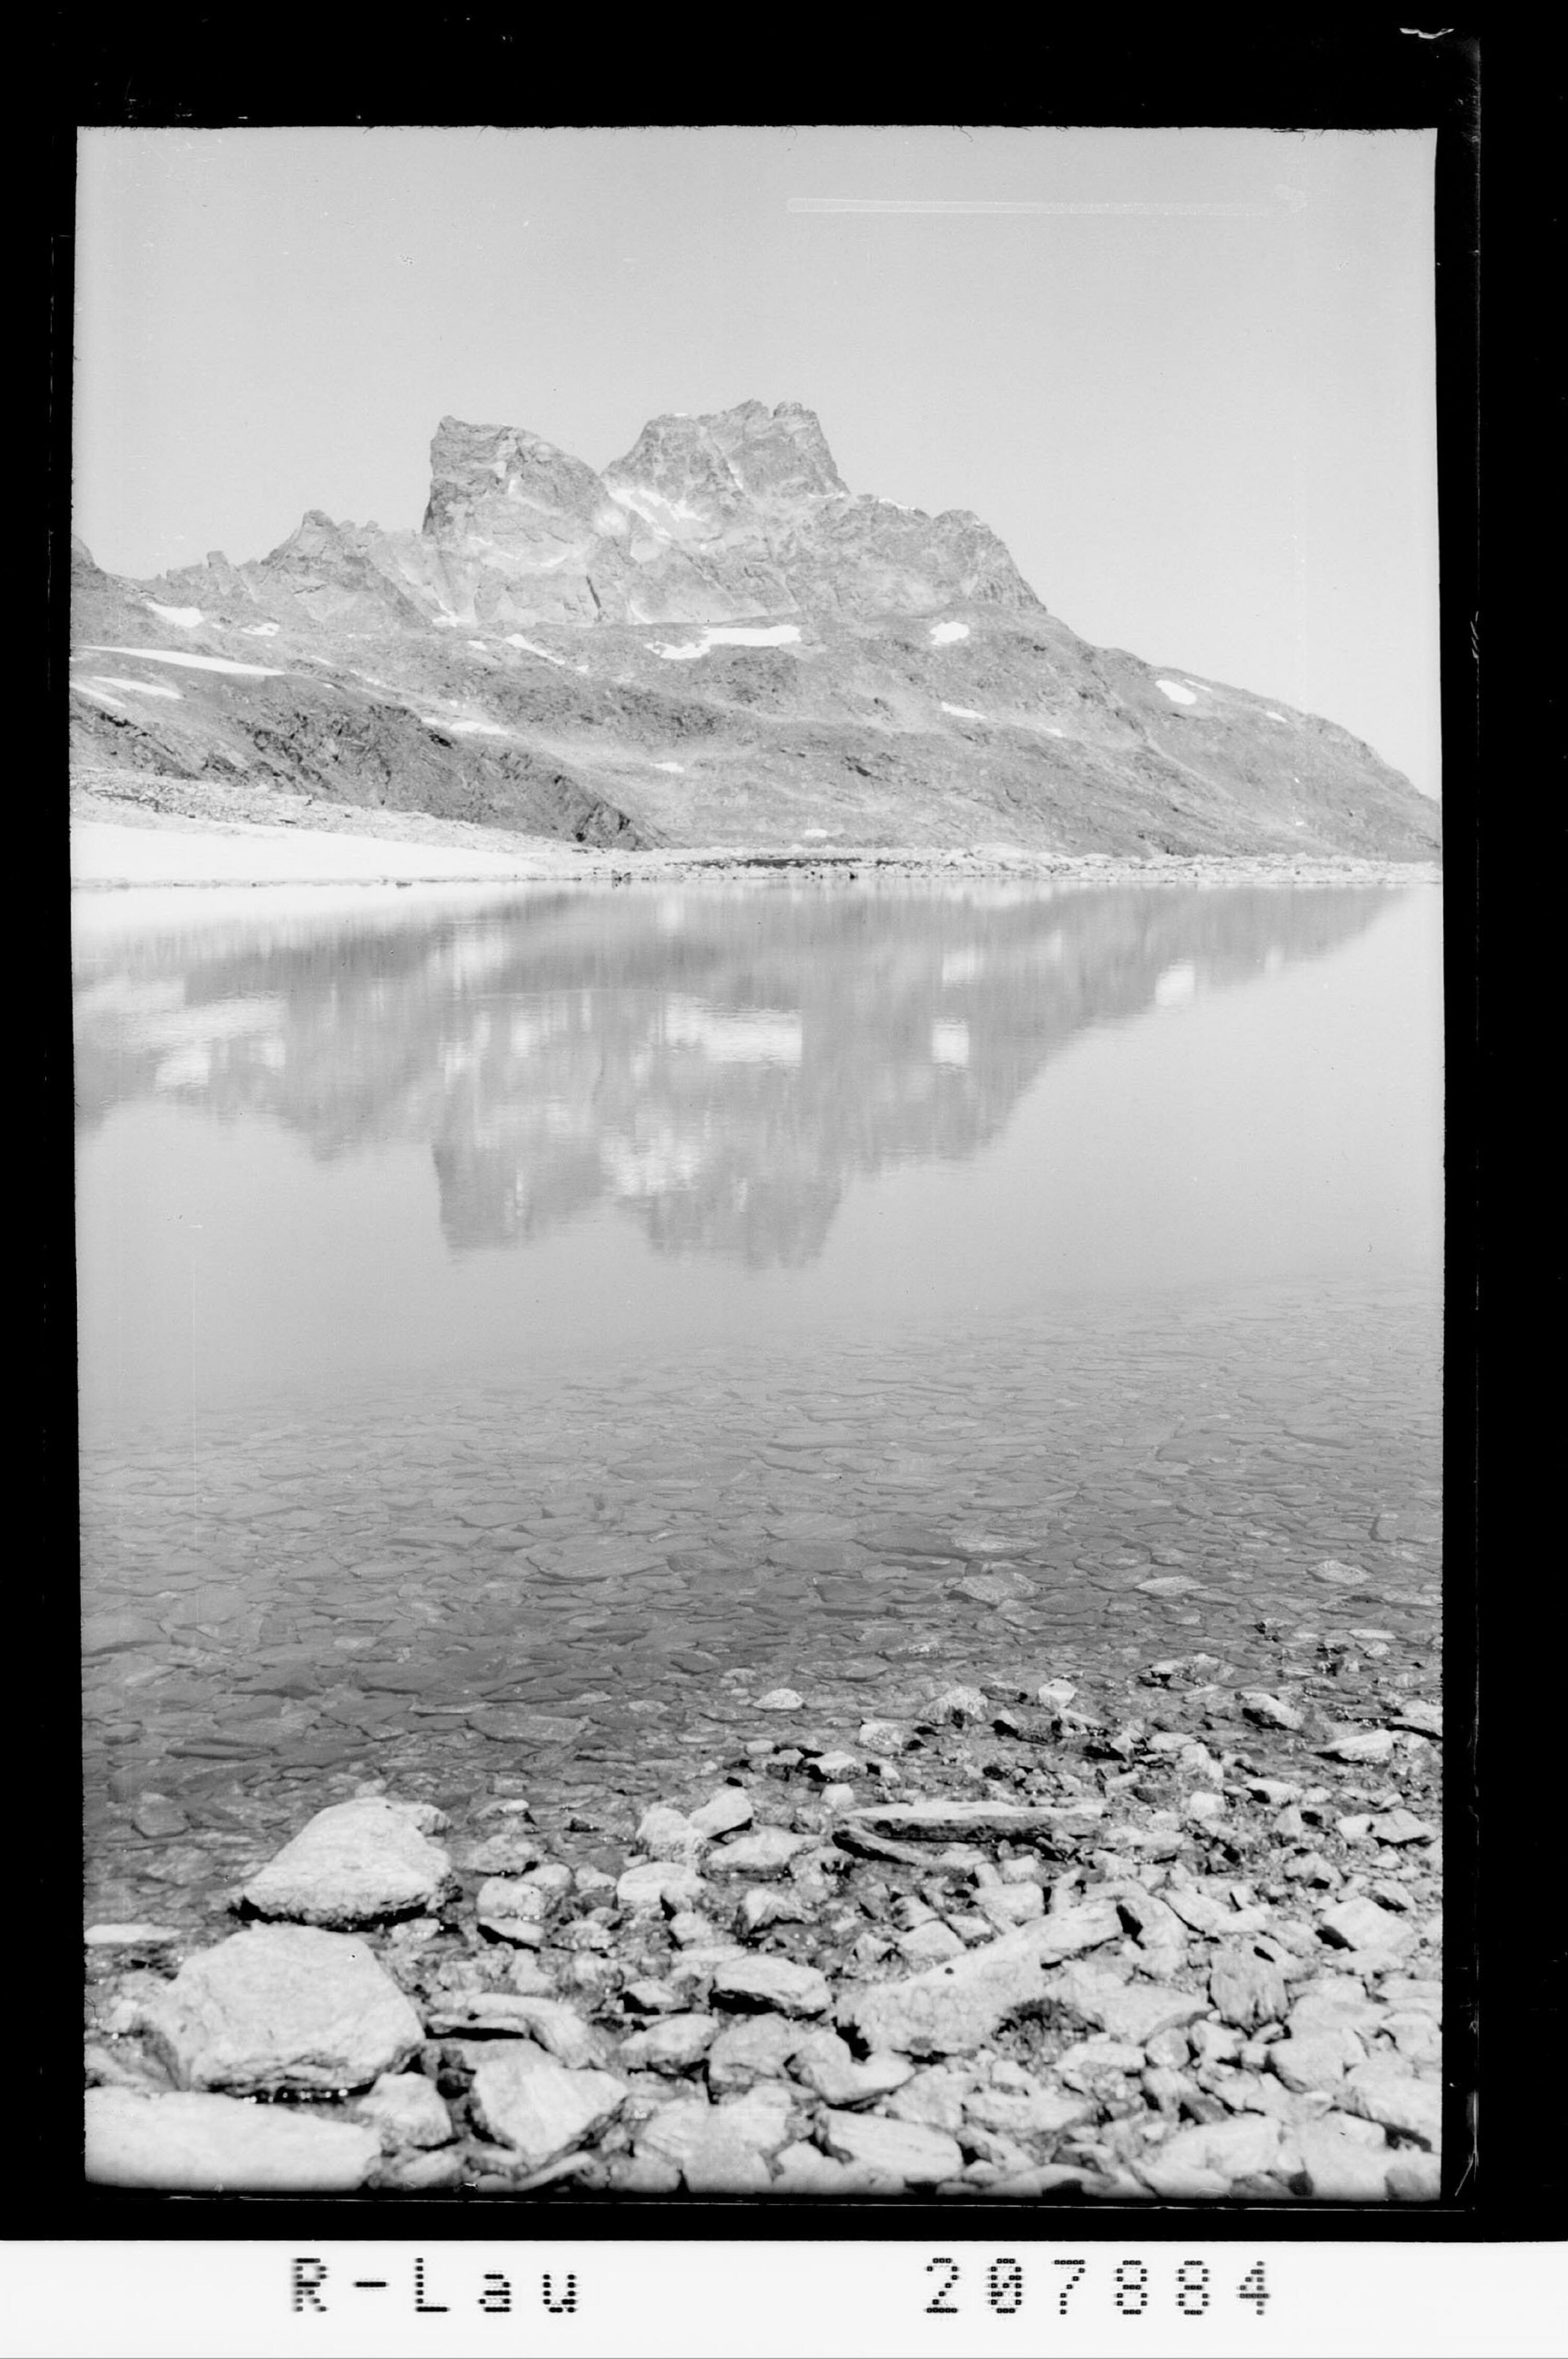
{"points": [[523, 1331]]}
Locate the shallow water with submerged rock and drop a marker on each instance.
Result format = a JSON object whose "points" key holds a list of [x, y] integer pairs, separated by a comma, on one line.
{"points": [[578, 1352]]}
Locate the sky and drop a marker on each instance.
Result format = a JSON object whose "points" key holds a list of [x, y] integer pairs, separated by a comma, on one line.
{"points": [[1187, 375]]}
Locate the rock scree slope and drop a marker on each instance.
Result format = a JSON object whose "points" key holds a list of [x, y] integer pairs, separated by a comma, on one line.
{"points": [[712, 642]]}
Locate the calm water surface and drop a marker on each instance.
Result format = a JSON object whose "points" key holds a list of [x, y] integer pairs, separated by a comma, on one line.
{"points": [[511, 1314]]}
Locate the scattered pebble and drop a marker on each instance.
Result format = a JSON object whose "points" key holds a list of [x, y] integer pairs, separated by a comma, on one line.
{"points": [[406, 2111]]}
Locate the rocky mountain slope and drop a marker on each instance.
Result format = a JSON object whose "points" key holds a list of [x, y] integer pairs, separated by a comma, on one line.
{"points": [[712, 642]]}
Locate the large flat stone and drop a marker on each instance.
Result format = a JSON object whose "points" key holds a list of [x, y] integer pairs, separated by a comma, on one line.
{"points": [[1002, 1587], [353, 1863], [720, 2149], [756, 2048], [1401, 2101], [774, 1983], [802, 2170], [281, 2006], [948, 1821], [104, 1633], [768, 1852], [1247, 1989], [1237, 2148], [1305, 2060], [1134, 2012], [195, 2144], [511, 1850], [1339, 2168], [591, 1556], [528, 2101], [936, 2096], [823, 2063], [513, 1909], [909, 2151], [728, 1810], [1008, 1904], [954, 2008], [1414, 2177], [1362, 1923], [510, 1725], [656, 1886], [555, 2026], [1358, 1744], [672, 2044], [667, 1834], [1028, 2113]]}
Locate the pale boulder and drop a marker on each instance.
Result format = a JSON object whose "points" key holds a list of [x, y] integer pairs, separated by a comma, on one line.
{"points": [[198, 2144], [354, 1863], [281, 2007]]}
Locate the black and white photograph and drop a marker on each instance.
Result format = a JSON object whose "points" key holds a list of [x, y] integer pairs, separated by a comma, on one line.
{"points": [[756, 851]]}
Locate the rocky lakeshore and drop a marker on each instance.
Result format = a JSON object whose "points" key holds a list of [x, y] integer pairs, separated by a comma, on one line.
{"points": [[1166, 1929], [132, 827]]}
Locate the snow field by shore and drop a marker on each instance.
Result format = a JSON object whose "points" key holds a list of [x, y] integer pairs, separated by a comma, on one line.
{"points": [[102, 852]]}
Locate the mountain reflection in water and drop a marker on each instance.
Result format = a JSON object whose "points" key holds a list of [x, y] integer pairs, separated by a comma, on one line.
{"points": [[718, 1063]]}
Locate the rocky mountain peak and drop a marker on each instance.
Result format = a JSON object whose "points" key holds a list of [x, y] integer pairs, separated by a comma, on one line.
{"points": [[779, 455], [731, 516], [503, 482], [728, 475]]}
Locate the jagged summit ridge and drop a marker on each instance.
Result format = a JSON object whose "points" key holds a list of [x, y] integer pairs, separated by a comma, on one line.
{"points": [[692, 478], [730, 517]]}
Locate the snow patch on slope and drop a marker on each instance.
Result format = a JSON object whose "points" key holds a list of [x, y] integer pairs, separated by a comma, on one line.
{"points": [[192, 663], [943, 634], [963, 712], [1176, 692], [187, 618], [138, 687], [732, 634]]}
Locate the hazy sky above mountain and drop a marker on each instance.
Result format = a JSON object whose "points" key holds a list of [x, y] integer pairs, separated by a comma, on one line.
{"points": [[1187, 375]]}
